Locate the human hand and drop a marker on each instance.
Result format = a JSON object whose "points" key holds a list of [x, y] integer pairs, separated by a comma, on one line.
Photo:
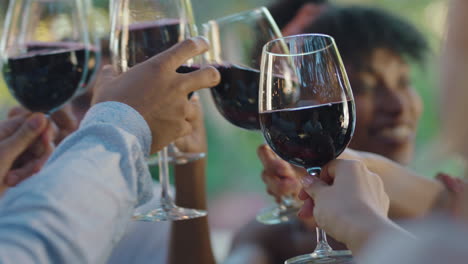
{"points": [[159, 93], [350, 209], [194, 142], [63, 122], [280, 177], [24, 147]]}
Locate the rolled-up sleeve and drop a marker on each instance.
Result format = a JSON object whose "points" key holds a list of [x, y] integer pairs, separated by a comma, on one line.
{"points": [[77, 207]]}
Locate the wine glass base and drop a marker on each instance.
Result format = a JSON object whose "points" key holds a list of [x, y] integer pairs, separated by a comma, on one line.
{"points": [[334, 257], [169, 214], [276, 215]]}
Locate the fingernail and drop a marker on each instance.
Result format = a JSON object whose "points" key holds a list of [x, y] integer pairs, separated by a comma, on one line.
{"points": [[307, 180], [35, 122]]}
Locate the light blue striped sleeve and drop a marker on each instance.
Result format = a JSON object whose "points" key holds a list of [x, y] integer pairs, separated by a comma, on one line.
{"points": [[77, 207]]}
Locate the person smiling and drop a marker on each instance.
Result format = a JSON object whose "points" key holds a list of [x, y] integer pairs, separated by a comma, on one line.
{"points": [[377, 48]]}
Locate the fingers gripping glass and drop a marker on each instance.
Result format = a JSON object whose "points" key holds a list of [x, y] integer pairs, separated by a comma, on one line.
{"points": [[307, 112], [236, 46], [140, 30]]}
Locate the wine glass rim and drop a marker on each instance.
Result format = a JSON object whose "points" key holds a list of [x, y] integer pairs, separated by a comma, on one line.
{"points": [[234, 16], [331, 44]]}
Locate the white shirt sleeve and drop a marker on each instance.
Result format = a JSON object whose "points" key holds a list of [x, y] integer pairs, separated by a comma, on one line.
{"points": [[78, 206], [438, 240]]}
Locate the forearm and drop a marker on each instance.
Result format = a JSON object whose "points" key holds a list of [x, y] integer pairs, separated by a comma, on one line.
{"points": [[190, 184], [411, 195], [86, 192], [362, 232], [190, 239]]}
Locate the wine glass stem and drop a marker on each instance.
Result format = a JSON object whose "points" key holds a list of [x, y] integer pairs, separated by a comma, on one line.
{"points": [[166, 200], [287, 201], [323, 248]]}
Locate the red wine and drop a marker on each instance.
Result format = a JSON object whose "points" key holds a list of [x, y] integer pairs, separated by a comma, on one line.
{"points": [[43, 80], [236, 97], [93, 59], [309, 136], [150, 38]]}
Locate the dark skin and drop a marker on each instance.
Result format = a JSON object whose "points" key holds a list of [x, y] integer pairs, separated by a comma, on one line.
{"points": [[388, 110], [384, 81], [190, 193]]}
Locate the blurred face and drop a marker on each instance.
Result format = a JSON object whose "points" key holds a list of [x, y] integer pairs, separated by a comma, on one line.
{"points": [[387, 107]]}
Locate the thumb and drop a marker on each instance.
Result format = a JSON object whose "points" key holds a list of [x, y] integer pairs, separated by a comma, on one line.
{"points": [[312, 185], [29, 131]]}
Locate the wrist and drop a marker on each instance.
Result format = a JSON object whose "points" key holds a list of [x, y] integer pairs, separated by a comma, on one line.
{"points": [[366, 226]]}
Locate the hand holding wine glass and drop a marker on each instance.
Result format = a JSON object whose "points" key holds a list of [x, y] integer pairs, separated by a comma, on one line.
{"points": [[140, 30], [280, 177], [165, 91], [366, 206], [307, 112], [18, 135]]}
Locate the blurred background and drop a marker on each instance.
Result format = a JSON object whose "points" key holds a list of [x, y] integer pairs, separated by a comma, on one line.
{"points": [[234, 182]]}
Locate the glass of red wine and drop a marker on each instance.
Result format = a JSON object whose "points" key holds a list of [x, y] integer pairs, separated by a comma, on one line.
{"points": [[95, 53], [236, 48], [307, 112], [140, 30], [47, 54], [152, 27]]}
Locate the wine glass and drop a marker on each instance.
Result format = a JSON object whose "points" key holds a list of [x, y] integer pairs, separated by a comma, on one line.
{"points": [[152, 27], [140, 30], [307, 112], [95, 53], [236, 48], [46, 52]]}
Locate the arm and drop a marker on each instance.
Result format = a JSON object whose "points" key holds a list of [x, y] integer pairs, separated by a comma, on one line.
{"points": [[192, 237], [76, 208], [46, 219], [402, 185], [354, 208]]}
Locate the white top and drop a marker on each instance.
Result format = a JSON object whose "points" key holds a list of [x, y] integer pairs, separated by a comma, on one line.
{"points": [[77, 207], [438, 240], [144, 242]]}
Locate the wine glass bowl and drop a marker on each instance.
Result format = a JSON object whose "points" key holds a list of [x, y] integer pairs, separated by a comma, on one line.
{"points": [[236, 43], [307, 112], [47, 53]]}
